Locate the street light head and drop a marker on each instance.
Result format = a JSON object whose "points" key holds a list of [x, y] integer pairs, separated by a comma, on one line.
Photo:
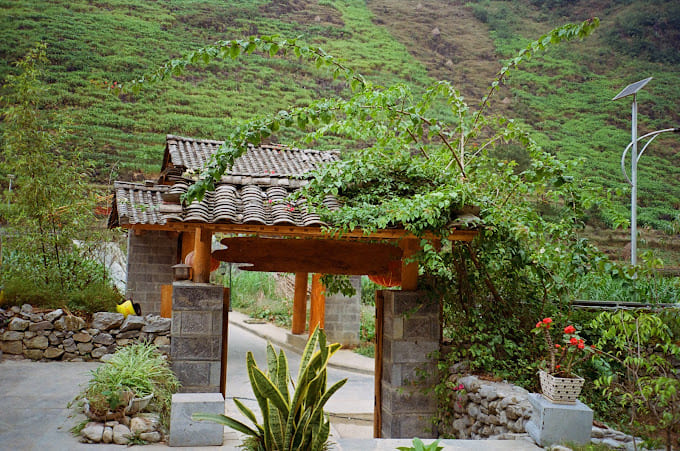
{"points": [[632, 88]]}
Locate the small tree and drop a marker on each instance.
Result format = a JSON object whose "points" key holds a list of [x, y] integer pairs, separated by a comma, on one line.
{"points": [[51, 203], [643, 347]]}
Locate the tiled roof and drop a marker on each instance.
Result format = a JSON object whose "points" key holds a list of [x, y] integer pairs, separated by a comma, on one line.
{"points": [[136, 203], [228, 204], [267, 161]]}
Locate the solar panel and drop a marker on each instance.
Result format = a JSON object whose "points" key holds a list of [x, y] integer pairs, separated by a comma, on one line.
{"points": [[632, 88]]}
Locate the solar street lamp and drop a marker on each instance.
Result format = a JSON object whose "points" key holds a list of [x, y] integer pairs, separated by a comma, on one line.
{"points": [[633, 89]]}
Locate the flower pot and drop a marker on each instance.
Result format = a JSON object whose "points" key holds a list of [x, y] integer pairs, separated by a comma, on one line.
{"points": [[560, 390], [138, 404]]}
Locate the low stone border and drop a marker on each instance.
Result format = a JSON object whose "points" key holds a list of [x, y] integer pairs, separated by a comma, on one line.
{"points": [[496, 410], [55, 335]]}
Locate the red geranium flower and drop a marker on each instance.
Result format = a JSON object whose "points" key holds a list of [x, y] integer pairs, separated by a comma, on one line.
{"points": [[569, 330]]}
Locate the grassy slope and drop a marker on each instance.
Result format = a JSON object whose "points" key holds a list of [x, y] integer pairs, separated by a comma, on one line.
{"points": [[564, 95]]}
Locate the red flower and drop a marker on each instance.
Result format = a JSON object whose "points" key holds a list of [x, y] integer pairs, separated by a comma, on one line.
{"points": [[461, 387], [569, 330], [557, 367], [547, 320], [558, 346], [573, 340], [539, 324]]}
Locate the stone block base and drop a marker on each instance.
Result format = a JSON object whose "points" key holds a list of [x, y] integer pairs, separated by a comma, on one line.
{"points": [[553, 424], [186, 432]]}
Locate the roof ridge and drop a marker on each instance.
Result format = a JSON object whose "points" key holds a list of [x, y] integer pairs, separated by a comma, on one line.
{"points": [[277, 146]]}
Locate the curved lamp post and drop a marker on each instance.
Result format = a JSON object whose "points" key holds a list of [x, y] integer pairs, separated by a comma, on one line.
{"points": [[633, 89]]}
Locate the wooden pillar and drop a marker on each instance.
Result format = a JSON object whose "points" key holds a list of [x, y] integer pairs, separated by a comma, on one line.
{"points": [[187, 243], [166, 301], [377, 406], [409, 271], [225, 341], [300, 303], [202, 255], [318, 304]]}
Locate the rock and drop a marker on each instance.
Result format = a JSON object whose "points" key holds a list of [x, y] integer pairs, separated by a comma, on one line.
{"points": [[164, 350], [144, 422], [18, 324], [98, 353], [471, 383], [15, 309], [42, 325], [127, 335], [93, 431], [158, 325], [151, 437], [54, 340], [70, 323], [38, 342], [82, 337], [513, 412], [106, 321], [559, 448], [106, 357], [597, 432], [132, 322], [107, 436], [92, 331], [69, 356], [13, 335], [84, 348], [162, 340], [121, 433], [104, 339], [54, 315], [34, 317], [489, 392], [473, 410], [53, 353], [29, 334], [33, 354], [611, 443], [12, 347], [26, 309], [125, 420]]}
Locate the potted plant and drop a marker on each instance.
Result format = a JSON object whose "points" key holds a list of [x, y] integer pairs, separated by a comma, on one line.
{"points": [[559, 383]]}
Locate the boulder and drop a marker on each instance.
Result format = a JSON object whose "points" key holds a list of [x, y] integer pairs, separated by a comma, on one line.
{"points": [[132, 322], [13, 335], [42, 325], [106, 321], [53, 353], [103, 339], [151, 437], [107, 436], [82, 337], [18, 324], [70, 323], [93, 431], [121, 434], [33, 354], [84, 348], [54, 315], [158, 325], [38, 342], [144, 422], [98, 352], [12, 347], [26, 309]]}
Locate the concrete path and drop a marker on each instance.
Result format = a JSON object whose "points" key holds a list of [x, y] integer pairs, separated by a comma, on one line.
{"points": [[34, 396]]}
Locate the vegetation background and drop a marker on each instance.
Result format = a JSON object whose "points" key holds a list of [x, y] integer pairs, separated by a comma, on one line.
{"points": [[565, 96]]}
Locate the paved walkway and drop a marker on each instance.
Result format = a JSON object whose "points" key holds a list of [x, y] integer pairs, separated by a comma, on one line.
{"points": [[34, 396]]}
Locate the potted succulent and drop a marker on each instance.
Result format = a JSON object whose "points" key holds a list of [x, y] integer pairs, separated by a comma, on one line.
{"points": [[559, 383]]}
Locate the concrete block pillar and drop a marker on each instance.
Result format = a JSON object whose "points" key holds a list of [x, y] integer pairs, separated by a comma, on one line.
{"points": [[411, 331], [343, 316], [196, 346]]}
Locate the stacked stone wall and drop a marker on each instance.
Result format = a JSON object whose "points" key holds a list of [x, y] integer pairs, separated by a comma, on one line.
{"points": [[56, 335]]}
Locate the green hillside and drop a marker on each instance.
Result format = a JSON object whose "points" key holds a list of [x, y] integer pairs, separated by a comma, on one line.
{"points": [[565, 95]]}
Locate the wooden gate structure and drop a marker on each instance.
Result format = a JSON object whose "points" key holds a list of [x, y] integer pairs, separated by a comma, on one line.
{"points": [[263, 231]]}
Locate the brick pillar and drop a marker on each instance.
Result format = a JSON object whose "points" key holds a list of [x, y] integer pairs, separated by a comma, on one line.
{"points": [[150, 259], [196, 346], [343, 316], [411, 332]]}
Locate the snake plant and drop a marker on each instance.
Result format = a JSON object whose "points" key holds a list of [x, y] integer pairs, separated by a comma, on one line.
{"points": [[290, 421]]}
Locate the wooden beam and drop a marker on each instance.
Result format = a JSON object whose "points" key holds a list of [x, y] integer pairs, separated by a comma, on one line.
{"points": [[300, 303], [409, 271], [202, 249], [308, 255], [299, 232], [317, 312], [166, 301]]}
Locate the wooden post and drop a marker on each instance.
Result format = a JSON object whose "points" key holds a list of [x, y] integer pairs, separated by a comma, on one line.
{"points": [[188, 239], [166, 301], [225, 341], [300, 303], [377, 406], [318, 304], [202, 255], [409, 271]]}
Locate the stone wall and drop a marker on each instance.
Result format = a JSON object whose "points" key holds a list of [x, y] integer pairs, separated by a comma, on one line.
{"points": [[343, 316], [151, 256], [55, 335], [484, 409]]}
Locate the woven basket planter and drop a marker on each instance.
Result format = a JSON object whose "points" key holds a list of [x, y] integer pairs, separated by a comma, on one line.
{"points": [[560, 390]]}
